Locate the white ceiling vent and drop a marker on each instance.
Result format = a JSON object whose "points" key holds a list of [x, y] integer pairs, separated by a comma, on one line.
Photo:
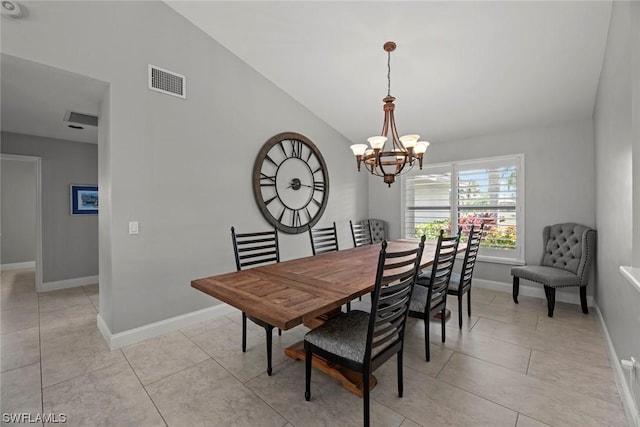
{"points": [[167, 82], [80, 118]]}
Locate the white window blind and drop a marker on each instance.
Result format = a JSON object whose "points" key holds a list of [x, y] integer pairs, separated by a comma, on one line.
{"points": [[456, 195]]}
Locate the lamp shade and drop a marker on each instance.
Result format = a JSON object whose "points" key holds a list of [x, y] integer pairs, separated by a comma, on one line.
{"points": [[409, 141], [421, 147], [359, 149], [377, 142]]}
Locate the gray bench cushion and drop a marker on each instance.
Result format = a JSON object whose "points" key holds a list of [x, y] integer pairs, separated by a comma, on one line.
{"points": [[549, 276], [344, 335]]}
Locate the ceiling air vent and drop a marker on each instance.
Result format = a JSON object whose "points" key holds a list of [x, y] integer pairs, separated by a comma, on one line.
{"points": [[81, 118], [167, 82]]}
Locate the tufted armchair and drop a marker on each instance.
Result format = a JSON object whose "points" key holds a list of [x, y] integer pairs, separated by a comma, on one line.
{"points": [[566, 261], [378, 230]]}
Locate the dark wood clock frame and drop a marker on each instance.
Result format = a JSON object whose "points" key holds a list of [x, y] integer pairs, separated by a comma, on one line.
{"points": [[289, 220]]}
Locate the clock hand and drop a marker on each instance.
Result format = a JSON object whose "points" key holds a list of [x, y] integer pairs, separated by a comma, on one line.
{"points": [[295, 184]]}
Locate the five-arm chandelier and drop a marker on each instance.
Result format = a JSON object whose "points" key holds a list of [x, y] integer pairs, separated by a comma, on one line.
{"points": [[404, 151]]}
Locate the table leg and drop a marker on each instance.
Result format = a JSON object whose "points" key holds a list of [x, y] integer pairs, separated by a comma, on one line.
{"points": [[350, 380]]}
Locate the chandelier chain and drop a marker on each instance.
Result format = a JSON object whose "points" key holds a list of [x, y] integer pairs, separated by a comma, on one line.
{"points": [[388, 73]]}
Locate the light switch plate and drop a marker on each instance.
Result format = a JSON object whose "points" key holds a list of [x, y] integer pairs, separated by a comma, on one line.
{"points": [[133, 227]]}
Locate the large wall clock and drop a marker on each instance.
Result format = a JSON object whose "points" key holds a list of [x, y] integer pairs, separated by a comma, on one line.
{"points": [[291, 182]]}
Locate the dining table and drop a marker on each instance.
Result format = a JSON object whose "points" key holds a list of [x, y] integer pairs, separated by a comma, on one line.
{"points": [[307, 291]]}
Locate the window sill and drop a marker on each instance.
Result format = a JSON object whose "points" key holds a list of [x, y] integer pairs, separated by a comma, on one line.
{"points": [[632, 274], [497, 260]]}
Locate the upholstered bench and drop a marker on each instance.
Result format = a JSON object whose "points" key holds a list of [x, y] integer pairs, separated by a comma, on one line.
{"points": [[566, 261]]}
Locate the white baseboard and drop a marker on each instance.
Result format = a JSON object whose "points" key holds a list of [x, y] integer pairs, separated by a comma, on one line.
{"points": [[18, 266], [533, 291], [68, 283], [132, 336], [628, 402]]}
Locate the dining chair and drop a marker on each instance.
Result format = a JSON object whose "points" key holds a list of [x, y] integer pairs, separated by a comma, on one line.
{"points": [[431, 296], [567, 257], [363, 341], [361, 233], [460, 283], [323, 239], [251, 250]]}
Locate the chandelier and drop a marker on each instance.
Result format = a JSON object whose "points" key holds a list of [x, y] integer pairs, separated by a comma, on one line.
{"points": [[404, 151]]}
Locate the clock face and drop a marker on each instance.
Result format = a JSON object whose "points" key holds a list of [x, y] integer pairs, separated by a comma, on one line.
{"points": [[290, 182]]}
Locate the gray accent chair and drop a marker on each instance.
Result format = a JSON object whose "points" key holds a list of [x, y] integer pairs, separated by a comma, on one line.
{"points": [[569, 250], [378, 230]]}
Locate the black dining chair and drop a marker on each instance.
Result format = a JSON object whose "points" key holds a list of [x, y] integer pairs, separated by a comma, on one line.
{"points": [[251, 250], [363, 341], [459, 284], [431, 296], [361, 233], [323, 239]]}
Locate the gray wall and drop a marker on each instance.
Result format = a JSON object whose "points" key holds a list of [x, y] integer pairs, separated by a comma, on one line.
{"points": [[559, 176], [617, 220], [182, 168], [69, 243], [18, 204]]}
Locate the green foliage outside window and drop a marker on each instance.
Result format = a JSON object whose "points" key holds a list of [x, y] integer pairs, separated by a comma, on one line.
{"points": [[495, 236]]}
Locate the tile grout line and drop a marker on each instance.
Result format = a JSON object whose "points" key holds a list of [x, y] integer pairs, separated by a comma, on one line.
{"points": [[145, 389], [480, 396], [560, 386], [244, 383]]}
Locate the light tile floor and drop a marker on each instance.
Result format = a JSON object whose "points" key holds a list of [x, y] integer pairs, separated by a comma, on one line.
{"points": [[510, 365]]}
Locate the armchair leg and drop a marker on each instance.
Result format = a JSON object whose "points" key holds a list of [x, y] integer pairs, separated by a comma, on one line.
{"points": [[469, 302], [443, 319], [516, 288], [583, 299], [551, 299]]}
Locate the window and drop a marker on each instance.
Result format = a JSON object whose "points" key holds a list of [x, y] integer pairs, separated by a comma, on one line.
{"points": [[456, 195]]}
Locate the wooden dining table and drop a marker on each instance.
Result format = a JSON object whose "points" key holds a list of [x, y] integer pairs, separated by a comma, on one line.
{"points": [[306, 291]]}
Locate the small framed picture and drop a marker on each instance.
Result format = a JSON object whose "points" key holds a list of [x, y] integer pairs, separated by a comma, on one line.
{"points": [[84, 200]]}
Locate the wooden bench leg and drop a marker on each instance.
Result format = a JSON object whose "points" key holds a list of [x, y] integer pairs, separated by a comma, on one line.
{"points": [[551, 299], [516, 288], [583, 299]]}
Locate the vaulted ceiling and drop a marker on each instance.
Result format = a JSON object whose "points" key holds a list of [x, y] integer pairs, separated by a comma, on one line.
{"points": [[460, 68]]}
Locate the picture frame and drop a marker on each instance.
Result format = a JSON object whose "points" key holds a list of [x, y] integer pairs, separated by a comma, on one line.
{"points": [[84, 199]]}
